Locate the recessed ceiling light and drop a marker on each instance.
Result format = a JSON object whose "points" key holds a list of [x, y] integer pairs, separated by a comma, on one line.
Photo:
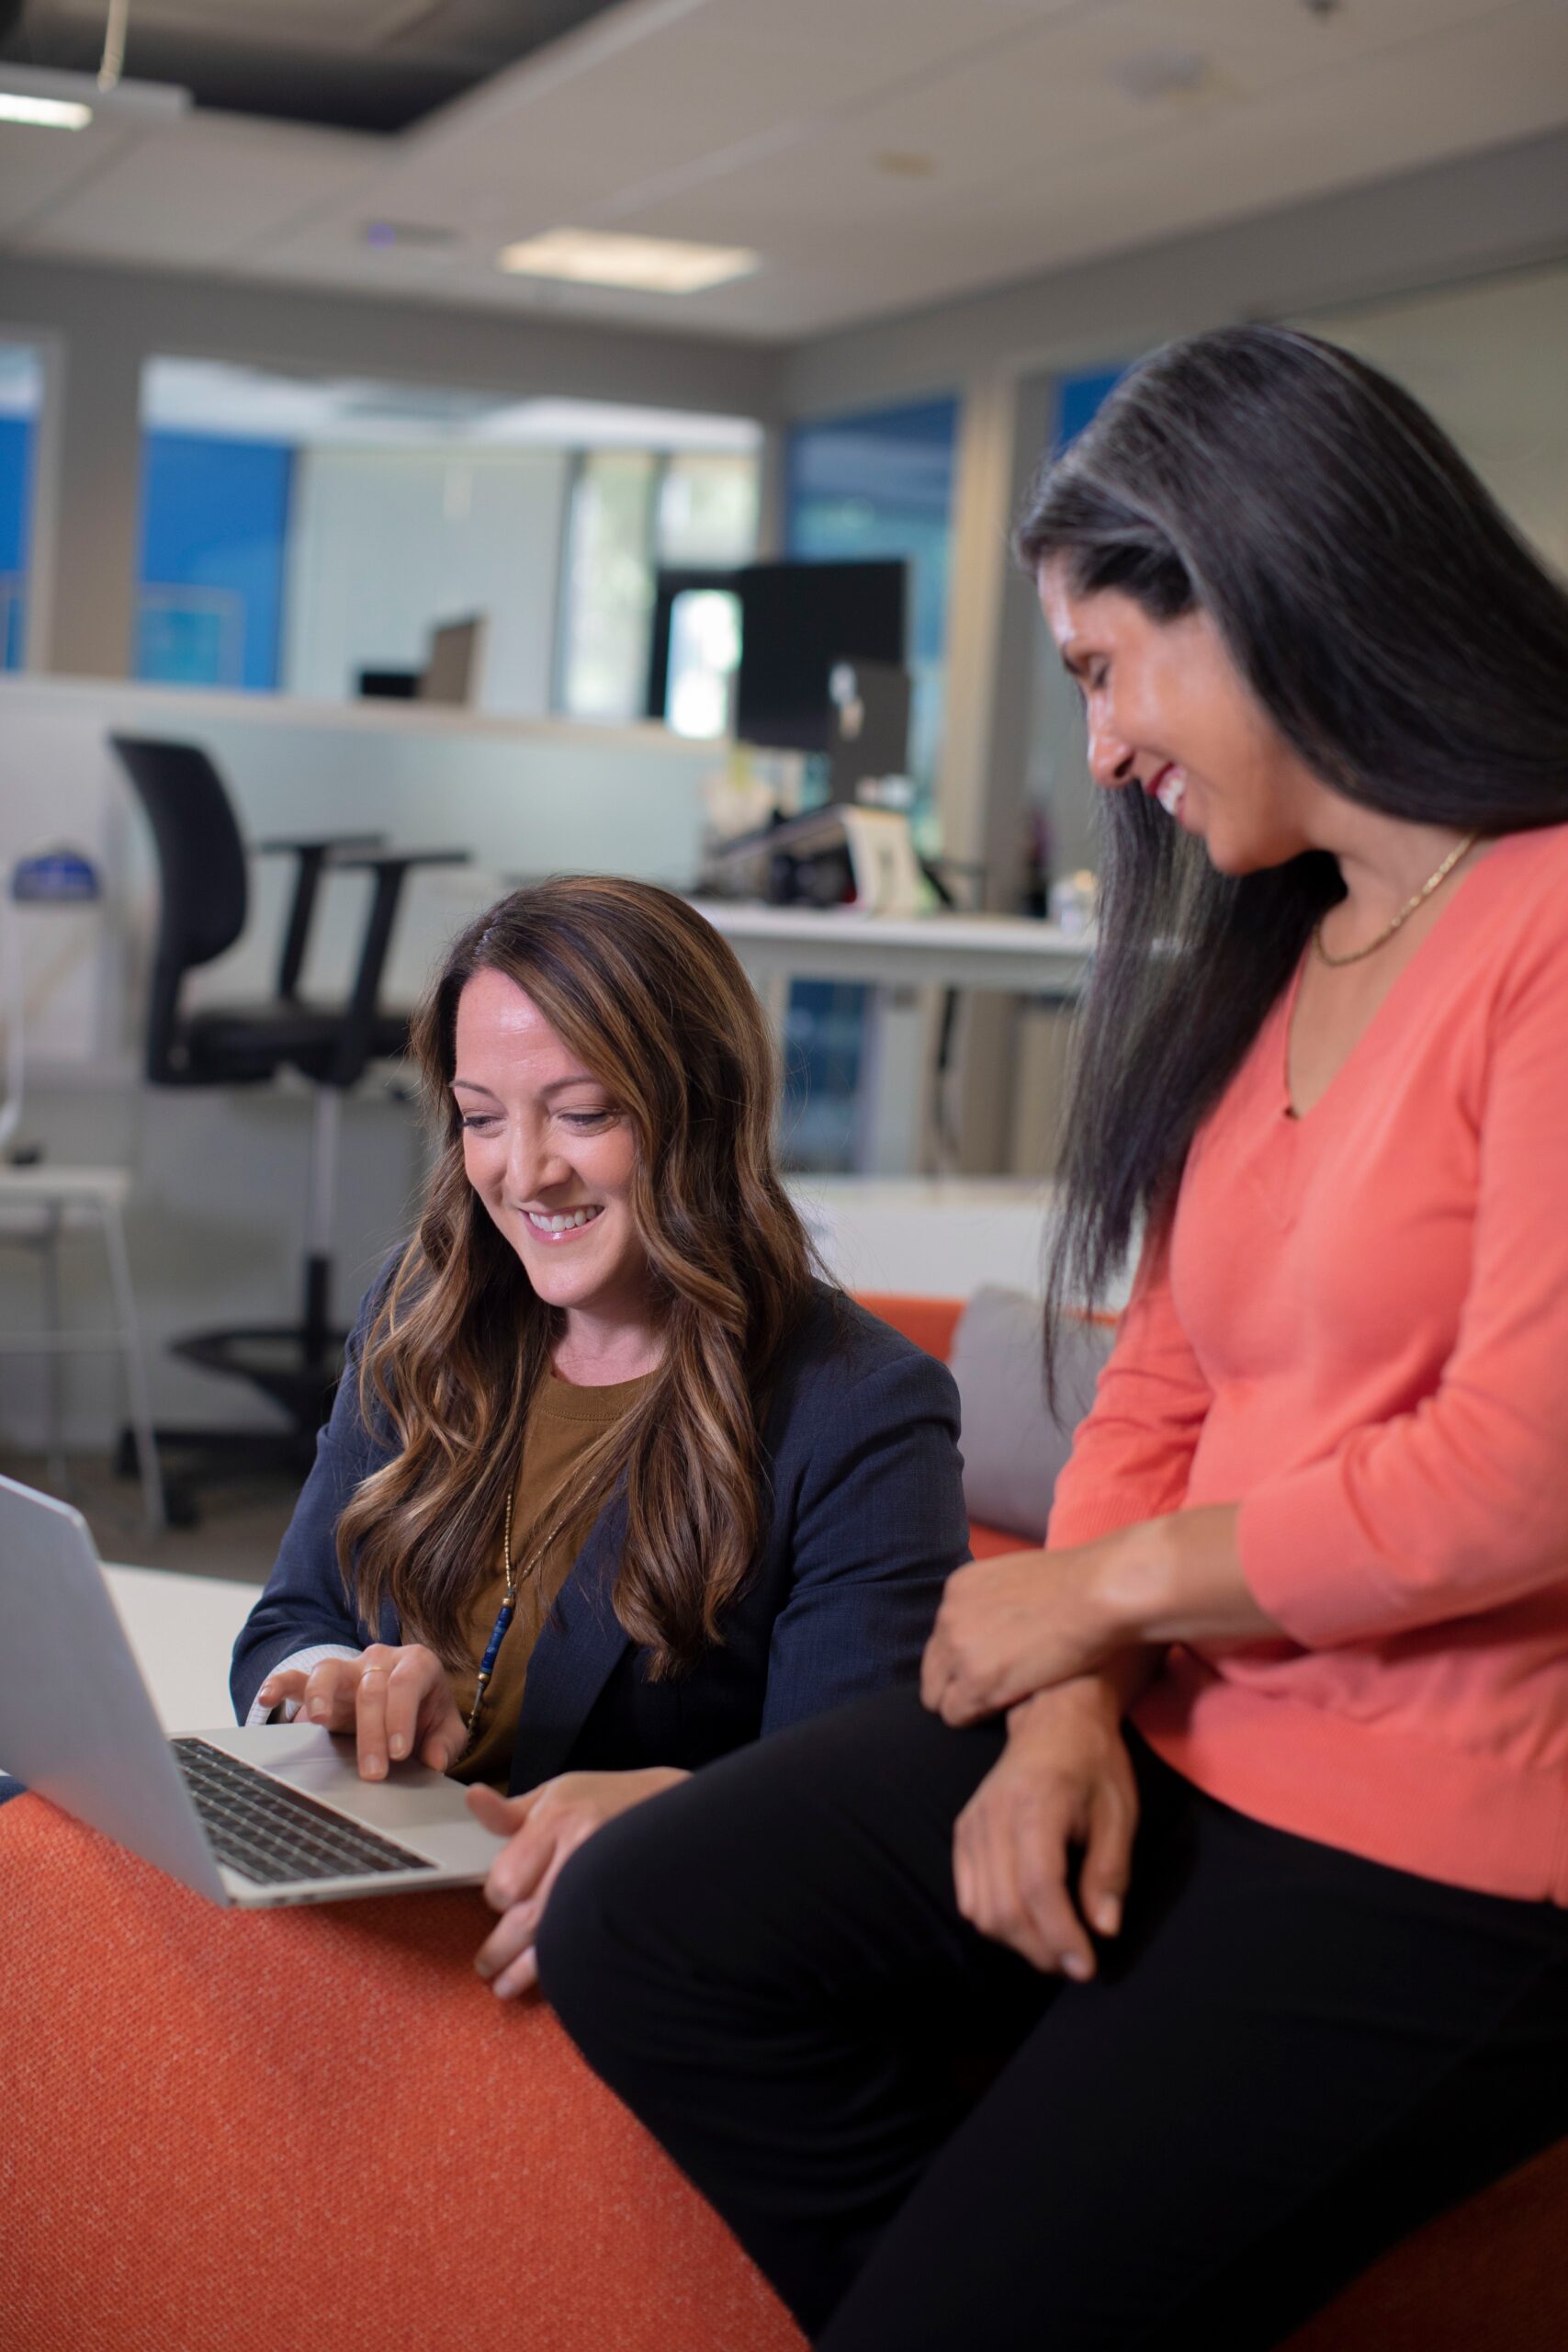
{"points": [[49, 114], [70, 101], [597, 257]]}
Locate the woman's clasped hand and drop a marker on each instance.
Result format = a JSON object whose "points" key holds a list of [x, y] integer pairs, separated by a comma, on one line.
{"points": [[543, 1829], [1011, 1625], [1063, 1791]]}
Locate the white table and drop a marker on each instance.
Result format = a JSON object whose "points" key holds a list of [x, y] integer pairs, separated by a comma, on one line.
{"points": [[1012, 953], [907, 959], [182, 1629]]}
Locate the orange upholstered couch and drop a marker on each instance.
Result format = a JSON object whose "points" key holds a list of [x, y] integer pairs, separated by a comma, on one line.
{"points": [[221, 2131]]}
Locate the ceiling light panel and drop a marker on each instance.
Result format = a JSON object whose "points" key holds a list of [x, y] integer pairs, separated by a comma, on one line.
{"points": [[70, 101], [46, 113], [652, 264]]}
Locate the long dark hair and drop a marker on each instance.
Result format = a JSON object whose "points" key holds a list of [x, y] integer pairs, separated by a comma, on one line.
{"points": [[656, 1006], [1402, 638]]}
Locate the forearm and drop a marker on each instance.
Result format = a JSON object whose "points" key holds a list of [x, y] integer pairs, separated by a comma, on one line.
{"points": [[1173, 1579], [1112, 1689], [1034, 1622]]}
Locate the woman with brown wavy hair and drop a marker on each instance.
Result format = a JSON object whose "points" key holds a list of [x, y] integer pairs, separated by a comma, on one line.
{"points": [[613, 1483]]}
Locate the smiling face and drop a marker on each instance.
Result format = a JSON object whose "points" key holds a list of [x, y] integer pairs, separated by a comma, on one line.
{"points": [[551, 1156], [1169, 715]]}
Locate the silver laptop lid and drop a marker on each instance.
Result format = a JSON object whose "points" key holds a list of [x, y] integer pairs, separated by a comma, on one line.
{"points": [[75, 1721]]}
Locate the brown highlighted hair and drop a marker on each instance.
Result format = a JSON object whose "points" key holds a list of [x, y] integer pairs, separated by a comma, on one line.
{"points": [[654, 1004]]}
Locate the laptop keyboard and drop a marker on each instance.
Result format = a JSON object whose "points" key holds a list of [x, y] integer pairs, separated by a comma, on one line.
{"points": [[273, 1833]]}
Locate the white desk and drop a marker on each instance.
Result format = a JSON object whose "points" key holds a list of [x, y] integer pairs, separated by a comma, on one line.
{"points": [[907, 959], [182, 1629], [1008, 952]]}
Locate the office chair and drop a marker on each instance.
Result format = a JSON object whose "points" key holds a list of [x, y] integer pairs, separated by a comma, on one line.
{"points": [[204, 900]]}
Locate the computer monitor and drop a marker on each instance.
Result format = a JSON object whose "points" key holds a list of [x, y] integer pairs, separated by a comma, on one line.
{"points": [[796, 621]]}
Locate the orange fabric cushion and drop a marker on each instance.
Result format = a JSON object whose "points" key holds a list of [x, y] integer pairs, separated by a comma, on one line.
{"points": [[987, 1542], [225, 2130], [928, 1323], [221, 2129]]}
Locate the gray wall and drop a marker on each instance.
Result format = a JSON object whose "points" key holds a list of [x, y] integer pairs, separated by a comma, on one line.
{"points": [[1450, 221]]}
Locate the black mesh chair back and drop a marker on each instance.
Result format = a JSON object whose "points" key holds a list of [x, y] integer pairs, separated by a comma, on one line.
{"points": [[201, 861]]}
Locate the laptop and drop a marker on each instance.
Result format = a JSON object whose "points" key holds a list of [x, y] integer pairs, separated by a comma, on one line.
{"points": [[256, 1818]]}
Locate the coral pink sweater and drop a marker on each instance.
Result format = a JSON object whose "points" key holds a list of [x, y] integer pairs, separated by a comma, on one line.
{"points": [[1359, 1333]]}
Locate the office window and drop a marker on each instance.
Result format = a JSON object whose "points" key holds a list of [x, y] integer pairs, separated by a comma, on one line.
{"points": [[632, 510], [309, 536], [609, 584], [708, 509], [21, 389]]}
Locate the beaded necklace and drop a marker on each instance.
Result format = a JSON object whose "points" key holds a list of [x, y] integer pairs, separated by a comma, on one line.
{"points": [[508, 1609]]}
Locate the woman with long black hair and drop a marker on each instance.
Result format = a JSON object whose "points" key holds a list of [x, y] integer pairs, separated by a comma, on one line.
{"points": [[1230, 1844]]}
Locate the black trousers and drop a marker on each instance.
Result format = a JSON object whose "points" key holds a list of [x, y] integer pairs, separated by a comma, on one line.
{"points": [[1290, 2055]]}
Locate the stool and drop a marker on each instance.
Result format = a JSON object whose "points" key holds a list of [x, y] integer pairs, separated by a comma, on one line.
{"points": [[37, 1205]]}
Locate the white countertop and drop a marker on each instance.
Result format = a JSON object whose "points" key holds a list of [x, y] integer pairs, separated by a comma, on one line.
{"points": [[1010, 953], [182, 1629]]}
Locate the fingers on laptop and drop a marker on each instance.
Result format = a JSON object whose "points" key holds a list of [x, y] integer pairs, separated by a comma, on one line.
{"points": [[323, 1695], [405, 1706], [395, 1701], [281, 1688]]}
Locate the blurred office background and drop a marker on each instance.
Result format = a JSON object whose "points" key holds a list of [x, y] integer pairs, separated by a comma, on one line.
{"points": [[280, 396]]}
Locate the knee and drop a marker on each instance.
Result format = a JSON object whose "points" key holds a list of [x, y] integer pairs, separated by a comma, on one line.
{"points": [[587, 1943]]}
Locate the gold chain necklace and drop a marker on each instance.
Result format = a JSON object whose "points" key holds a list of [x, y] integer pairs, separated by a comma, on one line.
{"points": [[1403, 917], [508, 1610]]}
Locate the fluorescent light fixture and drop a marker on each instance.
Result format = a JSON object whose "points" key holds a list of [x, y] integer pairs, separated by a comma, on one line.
{"points": [[70, 101], [49, 114], [600, 257]]}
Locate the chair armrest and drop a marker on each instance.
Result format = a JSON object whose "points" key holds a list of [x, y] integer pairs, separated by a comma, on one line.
{"points": [[389, 868], [321, 841], [311, 855]]}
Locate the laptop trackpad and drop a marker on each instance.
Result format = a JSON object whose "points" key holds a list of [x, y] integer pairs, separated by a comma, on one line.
{"points": [[414, 1806]]}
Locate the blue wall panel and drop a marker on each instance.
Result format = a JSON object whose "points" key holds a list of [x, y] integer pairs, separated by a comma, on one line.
{"points": [[16, 529], [1078, 398], [214, 520]]}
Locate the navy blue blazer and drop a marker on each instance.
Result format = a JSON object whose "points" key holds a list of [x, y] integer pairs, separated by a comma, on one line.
{"points": [[866, 1519]]}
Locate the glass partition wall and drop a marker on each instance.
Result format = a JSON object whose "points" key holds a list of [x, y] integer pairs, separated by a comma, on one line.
{"points": [[859, 488], [308, 536]]}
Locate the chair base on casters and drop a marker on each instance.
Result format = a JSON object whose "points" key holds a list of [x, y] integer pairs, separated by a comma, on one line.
{"points": [[299, 1370]]}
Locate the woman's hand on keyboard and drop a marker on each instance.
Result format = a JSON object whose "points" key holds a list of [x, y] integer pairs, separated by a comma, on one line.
{"points": [[542, 1829], [397, 1703]]}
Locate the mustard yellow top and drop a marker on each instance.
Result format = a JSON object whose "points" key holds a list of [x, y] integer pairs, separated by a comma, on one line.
{"points": [[563, 1424]]}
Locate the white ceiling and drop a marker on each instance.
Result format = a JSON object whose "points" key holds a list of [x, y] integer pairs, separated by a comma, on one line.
{"points": [[879, 153]]}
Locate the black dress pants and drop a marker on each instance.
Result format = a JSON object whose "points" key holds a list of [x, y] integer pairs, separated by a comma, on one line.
{"points": [[1290, 2057]]}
